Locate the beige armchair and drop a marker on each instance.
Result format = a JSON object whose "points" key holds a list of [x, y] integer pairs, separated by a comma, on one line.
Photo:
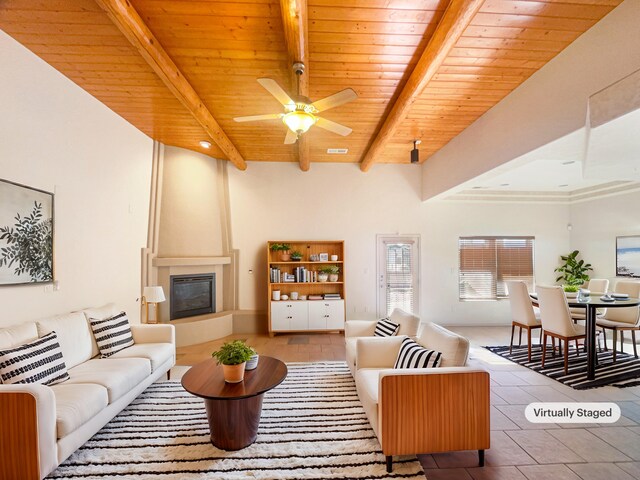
{"points": [[597, 286], [353, 329], [426, 410], [621, 319]]}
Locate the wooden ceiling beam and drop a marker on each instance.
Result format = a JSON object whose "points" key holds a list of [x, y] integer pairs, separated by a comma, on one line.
{"points": [[294, 20], [453, 23], [128, 21]]}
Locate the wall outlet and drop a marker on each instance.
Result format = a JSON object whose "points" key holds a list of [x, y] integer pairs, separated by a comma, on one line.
{"points": [[56, 285]]}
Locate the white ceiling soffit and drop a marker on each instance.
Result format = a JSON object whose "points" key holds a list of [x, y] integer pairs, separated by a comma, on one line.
{"points": [[613, 131]]}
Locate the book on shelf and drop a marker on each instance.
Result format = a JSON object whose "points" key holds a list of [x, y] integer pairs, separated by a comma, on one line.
{"points": [[314, 297], [332, 296]]}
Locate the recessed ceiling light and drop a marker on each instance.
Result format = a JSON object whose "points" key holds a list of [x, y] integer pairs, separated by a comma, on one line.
{"points": [[505, 184], [564, 185], [570, 162], [205, 144]]}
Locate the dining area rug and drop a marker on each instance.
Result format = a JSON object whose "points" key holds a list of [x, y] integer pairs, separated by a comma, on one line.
{"points": [[312, 426], [625, 372]]}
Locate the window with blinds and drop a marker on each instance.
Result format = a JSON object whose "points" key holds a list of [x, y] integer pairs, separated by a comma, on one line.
{"points": [[486, 263]]}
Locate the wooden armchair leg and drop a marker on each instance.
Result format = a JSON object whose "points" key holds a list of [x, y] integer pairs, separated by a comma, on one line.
{"points": [[604, 339], [481, 458], [513, 330], [389, 463], [633, 339]]}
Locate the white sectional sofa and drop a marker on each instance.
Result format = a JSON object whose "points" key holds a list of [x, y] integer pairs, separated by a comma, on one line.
{"points": [[423, 410], [63, 417]]}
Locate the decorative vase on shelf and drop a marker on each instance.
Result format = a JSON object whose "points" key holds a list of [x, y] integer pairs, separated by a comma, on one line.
{"points": [[323, 277], [333, 277], [234, 373], [285, 256]]}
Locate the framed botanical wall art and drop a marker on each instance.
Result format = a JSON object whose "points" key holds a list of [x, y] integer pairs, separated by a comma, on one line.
{"points": [[628, 256], [26, 234]]}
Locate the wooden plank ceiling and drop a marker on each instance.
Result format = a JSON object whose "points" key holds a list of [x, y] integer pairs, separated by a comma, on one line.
{"points": [[372, 46]]}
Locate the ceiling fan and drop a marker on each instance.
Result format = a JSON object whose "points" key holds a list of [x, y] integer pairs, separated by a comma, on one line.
{"points": [[299, 112]]}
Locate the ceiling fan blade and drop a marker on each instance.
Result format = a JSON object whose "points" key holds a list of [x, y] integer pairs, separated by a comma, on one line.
{"points": [[254, 118], [290, 138], [333, 127], [276, 90], [335, 100]]}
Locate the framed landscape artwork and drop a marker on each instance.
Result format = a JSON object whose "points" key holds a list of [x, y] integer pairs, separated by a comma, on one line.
{"points": [[628, 256], [26, 235]]}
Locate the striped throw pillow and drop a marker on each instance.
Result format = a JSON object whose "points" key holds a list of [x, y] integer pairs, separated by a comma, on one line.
{"points": [[414, 355], [386, 328], [39, 361], [112, 334]]}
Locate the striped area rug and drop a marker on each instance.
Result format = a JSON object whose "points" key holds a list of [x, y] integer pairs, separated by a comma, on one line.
{"points": [[313, 426], [624, 373]]}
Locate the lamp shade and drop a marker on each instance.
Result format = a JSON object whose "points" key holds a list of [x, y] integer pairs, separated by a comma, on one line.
{"points": [[154, 294]]}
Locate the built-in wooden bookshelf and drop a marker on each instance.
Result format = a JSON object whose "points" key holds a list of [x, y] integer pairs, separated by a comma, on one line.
{"points": [[320, 314]]}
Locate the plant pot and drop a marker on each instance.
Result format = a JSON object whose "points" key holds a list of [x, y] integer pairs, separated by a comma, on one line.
{"points": [[234, 373], [296, 259], [323, 277], [285, 256], [252, 363], [333, 277], [571, 294]]}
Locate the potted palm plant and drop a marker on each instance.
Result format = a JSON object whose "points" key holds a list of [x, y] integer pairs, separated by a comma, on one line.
{"points": [[573, 273], [284, 249], [233, 357]]}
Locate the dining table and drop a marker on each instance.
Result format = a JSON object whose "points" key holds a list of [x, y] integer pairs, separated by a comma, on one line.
{"points": [[592, 303]]}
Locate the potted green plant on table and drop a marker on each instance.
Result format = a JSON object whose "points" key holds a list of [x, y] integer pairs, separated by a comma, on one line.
{"points": [[233, 357], [573, 273], [284, 249], [329, 272], [296, 256]]}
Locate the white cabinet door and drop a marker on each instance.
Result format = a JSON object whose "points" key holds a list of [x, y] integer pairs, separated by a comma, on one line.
{"points": [[326, 315], [335, 315], [318, 312], [298, 315], [279, 316]]}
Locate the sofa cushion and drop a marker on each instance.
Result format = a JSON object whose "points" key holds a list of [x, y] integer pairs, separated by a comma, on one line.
{"points": [[117, 375], [350, 350], [76, 404], [112, 334], [409, 323], [99, 313], [454, 347], [156, 353], [38, 361], [386, 328], [414, 355], [18, 334], [74, 336], [367, 385]]}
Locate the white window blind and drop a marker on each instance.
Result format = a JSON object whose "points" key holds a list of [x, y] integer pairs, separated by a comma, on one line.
{"points": [[400, 276], [486, 263]]}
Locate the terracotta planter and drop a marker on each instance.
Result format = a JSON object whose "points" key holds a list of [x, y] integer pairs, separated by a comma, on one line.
{"points": [[233, 373], [323, 277], [285, 256], [333, 277]]}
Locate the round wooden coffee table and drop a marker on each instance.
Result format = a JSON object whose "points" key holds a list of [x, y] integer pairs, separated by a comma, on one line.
{"points": [[233, 409]]}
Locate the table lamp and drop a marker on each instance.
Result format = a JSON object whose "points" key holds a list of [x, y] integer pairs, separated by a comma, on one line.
{"points": [[152, 295]]}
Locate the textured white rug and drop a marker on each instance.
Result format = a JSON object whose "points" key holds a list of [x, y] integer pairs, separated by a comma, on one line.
{"points": [[312, 426]]}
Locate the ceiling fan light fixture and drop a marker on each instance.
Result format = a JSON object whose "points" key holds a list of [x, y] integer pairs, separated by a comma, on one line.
{"points": [[299, 121]]}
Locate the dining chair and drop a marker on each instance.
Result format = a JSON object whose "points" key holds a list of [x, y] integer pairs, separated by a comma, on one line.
{"points": [[597, 286], [522, 313], [557, 323], [621, 319]]}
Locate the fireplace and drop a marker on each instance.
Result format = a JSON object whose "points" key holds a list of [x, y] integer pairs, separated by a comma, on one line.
{"points": [[192, 295]]}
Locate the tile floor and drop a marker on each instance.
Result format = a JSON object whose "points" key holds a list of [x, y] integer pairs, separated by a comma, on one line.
{"points": [[519, 449]]}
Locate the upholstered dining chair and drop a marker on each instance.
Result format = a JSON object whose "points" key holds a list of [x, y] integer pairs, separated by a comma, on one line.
{"points": [[557, 322], [621, 319], [597, 286], [523, 315]]}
